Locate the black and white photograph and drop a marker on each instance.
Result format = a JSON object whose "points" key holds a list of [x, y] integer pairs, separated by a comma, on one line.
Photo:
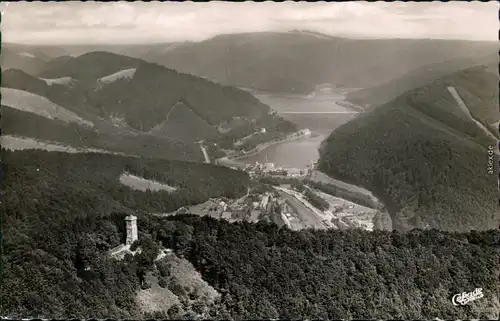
{"points": [[268, 160]]}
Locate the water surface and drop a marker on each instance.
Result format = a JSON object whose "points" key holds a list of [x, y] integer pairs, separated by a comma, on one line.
{"points": [[319, 112]]}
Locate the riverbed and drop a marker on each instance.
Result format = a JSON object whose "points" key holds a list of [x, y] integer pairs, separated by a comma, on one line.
{"points": [[319, 112]]}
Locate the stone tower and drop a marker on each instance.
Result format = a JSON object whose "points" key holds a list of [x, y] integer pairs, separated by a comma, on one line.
{"points": [[131, 229]]}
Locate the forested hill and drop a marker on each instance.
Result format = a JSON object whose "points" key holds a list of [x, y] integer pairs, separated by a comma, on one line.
{"points": [[423, 156], [148, 98], [143, 95], [89, 66]]}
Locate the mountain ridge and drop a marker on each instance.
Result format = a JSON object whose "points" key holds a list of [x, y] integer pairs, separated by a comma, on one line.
{"points": [[417, 161], [142, 99]]}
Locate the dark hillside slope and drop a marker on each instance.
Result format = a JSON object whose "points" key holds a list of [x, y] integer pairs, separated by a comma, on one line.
{"points": [[422, 156], [19, 79], [175, 122], [153, 91], [478, 87], [57, 61]]}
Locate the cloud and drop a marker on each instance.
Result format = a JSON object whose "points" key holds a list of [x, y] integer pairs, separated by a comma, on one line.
{"points": [[137, 22]]}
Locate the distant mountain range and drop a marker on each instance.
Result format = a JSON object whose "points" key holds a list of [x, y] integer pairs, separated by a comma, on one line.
{"points": [[125, 96], [425, 153], [298, 61], [26, 61]]}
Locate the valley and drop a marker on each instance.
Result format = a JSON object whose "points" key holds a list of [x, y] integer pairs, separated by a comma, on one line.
{"points": [[241, 139]]}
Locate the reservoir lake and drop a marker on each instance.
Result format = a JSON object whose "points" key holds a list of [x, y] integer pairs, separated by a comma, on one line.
{"points": [[319, 112]]}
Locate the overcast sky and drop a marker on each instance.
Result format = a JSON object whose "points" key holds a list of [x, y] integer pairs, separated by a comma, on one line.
{"points": [[143, 22]]}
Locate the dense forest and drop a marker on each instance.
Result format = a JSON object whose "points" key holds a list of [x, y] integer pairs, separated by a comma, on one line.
{"points": [[61, 213], [342, 274], [59, 267], [96, 177], [417, 162], [57, 219]]}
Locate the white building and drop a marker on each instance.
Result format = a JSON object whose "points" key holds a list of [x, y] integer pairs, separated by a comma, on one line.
{"points": [[223, 206], [132, 235]]}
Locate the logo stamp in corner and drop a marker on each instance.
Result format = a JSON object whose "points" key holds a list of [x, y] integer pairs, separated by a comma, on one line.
{"points": [[464, 297], [491, 154]]}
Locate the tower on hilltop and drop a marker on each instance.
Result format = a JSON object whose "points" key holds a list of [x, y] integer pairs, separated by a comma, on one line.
{"points": [[131, 229]]}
